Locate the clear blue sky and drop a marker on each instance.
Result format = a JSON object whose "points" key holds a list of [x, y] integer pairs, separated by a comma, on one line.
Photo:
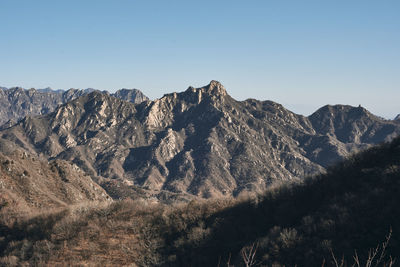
{"points": [[303, 54]]}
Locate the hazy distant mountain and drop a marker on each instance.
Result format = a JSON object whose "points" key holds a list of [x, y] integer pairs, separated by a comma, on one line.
{"points": [[344, 128], [49, 90], [16, 103], [200, 141], [131, 95]]}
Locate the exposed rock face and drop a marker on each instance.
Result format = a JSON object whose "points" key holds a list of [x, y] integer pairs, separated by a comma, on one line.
{"points": [[27, 183], [397, 118], [16, 103], [200, 141]]}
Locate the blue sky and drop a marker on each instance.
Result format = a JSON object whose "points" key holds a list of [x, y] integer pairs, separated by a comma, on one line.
{"points": [[302, 54]]}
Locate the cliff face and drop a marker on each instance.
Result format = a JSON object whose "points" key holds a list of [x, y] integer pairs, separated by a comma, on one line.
{"points": [[200, 141]]}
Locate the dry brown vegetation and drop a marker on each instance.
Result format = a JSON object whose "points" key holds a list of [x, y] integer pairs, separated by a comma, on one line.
{"points": [[332, 219], [28, 183], [136, 233], [120, 233]]}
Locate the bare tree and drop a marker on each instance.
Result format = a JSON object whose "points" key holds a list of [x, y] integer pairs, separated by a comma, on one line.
{"points": [[249, 254]]}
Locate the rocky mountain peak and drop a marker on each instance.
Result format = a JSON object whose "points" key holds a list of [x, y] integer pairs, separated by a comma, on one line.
{"points": [[131, 95], [333, 111], [215, 88], [350, 124], [15, 89], [214, 91], [397, 118]]}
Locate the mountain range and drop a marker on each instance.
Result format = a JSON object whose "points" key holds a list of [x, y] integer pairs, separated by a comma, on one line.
{"points": [[200, 142], [16, 102]]}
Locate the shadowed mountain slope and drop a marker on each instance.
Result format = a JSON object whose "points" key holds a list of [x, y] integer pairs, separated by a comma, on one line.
{"points": [[200, 141], [346, 212]]}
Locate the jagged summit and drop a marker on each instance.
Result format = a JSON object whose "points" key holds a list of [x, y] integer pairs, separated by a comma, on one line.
{"points": [[214, 91], [213, 88]]}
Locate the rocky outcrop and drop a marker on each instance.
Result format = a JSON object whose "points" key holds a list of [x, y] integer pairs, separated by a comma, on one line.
{"points": [[200, 142]]}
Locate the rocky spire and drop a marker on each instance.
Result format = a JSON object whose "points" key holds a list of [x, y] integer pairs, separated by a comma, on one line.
{"points": [[215, 88]]}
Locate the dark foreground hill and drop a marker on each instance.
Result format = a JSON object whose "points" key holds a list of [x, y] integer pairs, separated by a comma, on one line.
{"points": [[346, 212], [200, 142], [349, 211]]}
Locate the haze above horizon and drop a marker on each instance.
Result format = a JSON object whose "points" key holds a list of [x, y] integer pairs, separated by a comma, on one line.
{"points": [[302, 54]]}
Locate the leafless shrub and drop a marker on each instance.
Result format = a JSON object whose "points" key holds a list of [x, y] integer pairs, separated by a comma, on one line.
{"points": [[376, 257]]}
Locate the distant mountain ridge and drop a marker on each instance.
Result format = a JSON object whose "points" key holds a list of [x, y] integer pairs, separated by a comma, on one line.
{"points": [[16, 102], [200, 141]]}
